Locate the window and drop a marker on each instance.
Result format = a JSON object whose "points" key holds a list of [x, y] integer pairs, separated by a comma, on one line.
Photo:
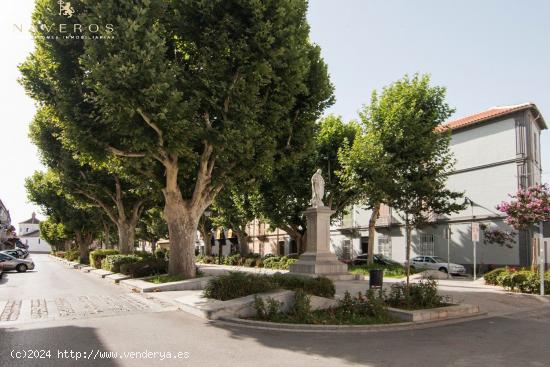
{"points": [[427, 244], [384, 245]]}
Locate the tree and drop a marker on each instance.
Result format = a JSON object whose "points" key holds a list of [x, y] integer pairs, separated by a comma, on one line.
{"points": [[366, 170], [205, 93], [45, 190], [528, 207], [54, 233], [407, 116], [234, 208], [107, 186], [286, 193], [152, 227]]}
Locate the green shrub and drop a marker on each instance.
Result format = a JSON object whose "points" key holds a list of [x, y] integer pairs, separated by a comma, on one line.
{"points": [[491, 276], [249, 262], [269, 311], [72, 255], [421, 295], [232, 259], [271, 262], [161, 253], [237, 284], [144, 267], [165, 278], [113, 262], [199, 259], [144, 254], [524, 281], [98, 255], [321, 286]]}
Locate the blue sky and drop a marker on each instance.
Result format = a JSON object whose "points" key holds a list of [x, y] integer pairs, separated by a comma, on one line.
{"points": [[486, 53]]}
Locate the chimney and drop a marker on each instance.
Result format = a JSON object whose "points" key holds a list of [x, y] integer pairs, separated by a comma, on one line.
{"points": [[33, 216]]}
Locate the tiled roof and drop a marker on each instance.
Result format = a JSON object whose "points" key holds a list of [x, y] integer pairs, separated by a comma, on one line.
{"points": [[35, 233], [491, 113], [32, 220]]}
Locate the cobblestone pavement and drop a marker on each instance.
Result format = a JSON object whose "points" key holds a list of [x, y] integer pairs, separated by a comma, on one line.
{"points": [[57, 292], [77, 307]]}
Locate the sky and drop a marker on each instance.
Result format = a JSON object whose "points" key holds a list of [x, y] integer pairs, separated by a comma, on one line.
{"points": [[487, 53]]}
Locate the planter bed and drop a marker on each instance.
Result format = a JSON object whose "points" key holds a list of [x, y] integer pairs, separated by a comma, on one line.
{"points": [[439, 313], [142, 285], [243, 307]]}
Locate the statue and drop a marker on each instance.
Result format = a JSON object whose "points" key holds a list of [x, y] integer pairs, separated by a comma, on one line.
{"points": [[317, 189]]}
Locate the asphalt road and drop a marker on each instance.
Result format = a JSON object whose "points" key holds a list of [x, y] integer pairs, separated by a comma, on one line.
{"points": [[153, 331]]}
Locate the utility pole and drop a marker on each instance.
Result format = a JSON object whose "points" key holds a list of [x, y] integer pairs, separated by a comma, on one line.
{"points": [[542, 258], [449, 250]]}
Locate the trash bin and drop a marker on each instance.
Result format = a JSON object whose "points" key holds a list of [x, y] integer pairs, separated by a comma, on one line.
{"points": [[376, 278]]}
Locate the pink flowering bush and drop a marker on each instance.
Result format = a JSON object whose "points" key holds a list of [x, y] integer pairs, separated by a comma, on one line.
{"points": [[527, 207]]}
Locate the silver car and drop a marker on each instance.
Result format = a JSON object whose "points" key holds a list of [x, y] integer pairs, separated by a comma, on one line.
{"points": [[436, 263], [11, 263]]}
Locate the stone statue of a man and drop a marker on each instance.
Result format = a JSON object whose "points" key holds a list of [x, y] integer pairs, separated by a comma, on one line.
{"points": [[317, 189]]}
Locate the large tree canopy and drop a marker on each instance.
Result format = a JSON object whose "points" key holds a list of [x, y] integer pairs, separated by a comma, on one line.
{"points": [[119, 194], [197, 93]]}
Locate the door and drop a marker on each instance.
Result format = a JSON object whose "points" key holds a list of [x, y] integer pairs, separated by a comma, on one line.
{"points": [[365, 245], [8, 263]]}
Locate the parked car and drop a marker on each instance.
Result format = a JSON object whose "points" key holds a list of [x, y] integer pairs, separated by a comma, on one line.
{"points": [[18, 253], [12, 263], [377, 258], [436, 263]]}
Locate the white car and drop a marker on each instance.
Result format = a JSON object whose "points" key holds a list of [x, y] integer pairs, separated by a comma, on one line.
{"points": [[436, 263]]}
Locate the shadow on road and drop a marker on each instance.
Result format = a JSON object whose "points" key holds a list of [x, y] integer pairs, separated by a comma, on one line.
{"points": [[495, 341], [58, 341]]}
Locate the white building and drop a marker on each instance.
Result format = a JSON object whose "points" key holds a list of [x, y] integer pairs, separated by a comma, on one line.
{"points": [[497, 151], [29, 235]]}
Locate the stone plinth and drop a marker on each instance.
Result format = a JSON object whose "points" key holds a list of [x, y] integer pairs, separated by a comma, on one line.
{"points": [[318, 260]]}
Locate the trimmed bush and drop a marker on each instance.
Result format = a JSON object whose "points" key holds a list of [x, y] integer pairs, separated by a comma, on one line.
{"points": [[321, 286], [236, 284], [113, 262], [417, 296], [144, 254], [98, 255], [72, 255], [491, 276], [144, 268]]}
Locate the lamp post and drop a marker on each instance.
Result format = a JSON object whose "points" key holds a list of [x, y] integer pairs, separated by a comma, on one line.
{"points": [[475, 234]]}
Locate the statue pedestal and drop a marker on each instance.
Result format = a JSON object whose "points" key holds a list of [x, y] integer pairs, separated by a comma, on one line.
{"points": [[318, 260]]}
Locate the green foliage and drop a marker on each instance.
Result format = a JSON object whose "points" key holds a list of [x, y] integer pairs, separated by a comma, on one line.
{"points": [[72, 255], [98, 255], [269, 311], [144, 268], [524, 281], [491, 276], [237, 284], [165, 278], [161, 253], [113, 262], [152, 225], [358, 310], [390, 271], [416, 296], [54, 233]]}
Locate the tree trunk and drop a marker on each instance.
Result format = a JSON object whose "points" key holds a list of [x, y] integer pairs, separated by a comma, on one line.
{"points": [[126, 236], [243, 242], [106, 236], [372, 230], [408, 252], [206, 238], [182, 226], [153, 246], [83, 241]]}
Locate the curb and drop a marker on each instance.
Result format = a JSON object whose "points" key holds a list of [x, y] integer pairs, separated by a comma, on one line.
{"points": [[305, 328]]}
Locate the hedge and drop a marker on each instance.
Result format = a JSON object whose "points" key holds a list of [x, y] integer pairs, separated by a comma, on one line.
{"points": [[524, 281], [144, 268], [237, 284], [113, 262], [98, 255]]}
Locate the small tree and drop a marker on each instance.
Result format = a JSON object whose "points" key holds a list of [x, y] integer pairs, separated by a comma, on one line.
{"points": [[415, 150], [527, 208]]}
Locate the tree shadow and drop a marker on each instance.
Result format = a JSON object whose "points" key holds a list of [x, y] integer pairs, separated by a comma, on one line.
{"points": [[59, 341], [469, 343]]}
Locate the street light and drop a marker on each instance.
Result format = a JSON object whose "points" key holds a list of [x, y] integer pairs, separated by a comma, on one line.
{"points": [[474, 233]]}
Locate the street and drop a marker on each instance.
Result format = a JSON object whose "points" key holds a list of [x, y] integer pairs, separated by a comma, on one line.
{"points": [[63, 310]]}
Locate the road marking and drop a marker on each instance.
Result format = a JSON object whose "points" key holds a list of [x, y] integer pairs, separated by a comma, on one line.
{"points": [[11, 311]]}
